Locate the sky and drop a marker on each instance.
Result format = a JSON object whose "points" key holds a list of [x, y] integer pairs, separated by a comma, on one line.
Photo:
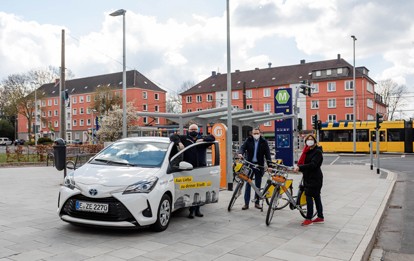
{"points": [[173, 42]]}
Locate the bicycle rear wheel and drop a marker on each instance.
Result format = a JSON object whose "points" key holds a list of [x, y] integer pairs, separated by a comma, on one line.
{"points": [[236, 193], [302, 207], [274, 201]]}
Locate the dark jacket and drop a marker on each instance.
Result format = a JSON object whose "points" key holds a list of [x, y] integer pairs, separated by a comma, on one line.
{"points": [[263, 150], [312, 173], [195, 156]]}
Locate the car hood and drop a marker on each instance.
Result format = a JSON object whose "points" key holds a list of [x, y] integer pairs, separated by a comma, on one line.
{"points": [[112, 176]]}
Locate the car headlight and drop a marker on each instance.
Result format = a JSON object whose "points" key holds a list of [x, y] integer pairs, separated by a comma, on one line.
{"points": [[143, 186], [69, 181]]}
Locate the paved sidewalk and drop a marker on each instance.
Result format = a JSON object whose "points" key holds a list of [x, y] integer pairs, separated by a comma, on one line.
{"points": [[354, 199]]}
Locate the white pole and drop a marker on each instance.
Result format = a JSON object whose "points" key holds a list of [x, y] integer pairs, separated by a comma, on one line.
{"points": [[354, 98], [229, 143], [35, 118]]}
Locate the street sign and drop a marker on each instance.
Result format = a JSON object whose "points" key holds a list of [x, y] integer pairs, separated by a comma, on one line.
{"points": [[284, 128]]}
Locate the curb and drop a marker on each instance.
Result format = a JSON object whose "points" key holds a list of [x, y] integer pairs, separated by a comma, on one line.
{"points": [[367, 243]]}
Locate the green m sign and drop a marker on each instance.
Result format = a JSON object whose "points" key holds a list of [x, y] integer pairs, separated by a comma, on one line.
{"points": [[282, 96]]}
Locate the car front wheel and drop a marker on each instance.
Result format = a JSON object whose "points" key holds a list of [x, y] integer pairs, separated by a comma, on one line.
{"points": [[163, 214]]}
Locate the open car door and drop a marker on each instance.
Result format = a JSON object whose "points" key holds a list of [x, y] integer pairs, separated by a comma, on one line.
{"points": [[196, 185]]}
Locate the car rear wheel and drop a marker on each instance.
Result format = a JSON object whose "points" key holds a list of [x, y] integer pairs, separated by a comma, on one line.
{"points": [[163, 214]]}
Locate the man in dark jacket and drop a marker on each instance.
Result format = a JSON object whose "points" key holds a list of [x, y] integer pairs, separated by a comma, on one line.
{"points": [[256, 150], [195, 156]]}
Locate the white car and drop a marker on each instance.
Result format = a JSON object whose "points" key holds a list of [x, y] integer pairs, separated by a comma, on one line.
{"points": [[138, 182]]}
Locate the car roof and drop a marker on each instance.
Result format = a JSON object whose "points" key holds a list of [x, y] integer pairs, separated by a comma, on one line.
{"points": [[147, 139]]}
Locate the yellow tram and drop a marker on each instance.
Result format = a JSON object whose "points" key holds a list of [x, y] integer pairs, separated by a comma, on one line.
{"points": [[394, 136]]}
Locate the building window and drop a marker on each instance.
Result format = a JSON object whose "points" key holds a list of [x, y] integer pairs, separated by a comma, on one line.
{"points": [[370, 103], [56, 112], [49, 113], [189, 110], [328, 72], [56, 124], [266, 92], [370, 87], [74, 112], [145, 119], [144, 95], [266, 107], [349, 117], [268, 123], [331, 103], [349, 85], [144, 107], [88, 110], [315, 104], [43, 124], [249, 94], [88, 98], [332, 117], [209, 97], [81, 123], [81, 110], [349, 102], [331, 86], [235, 95], [49, 102], [370, 117], [315, 88], [339, 71], [236, 107], [157, 120], [249, 106], [199, 109], [56, 101], [75, 123], [43, 103], [88, 122], [156, 96], [80, 99], [74, 100], [188, 99], [318, 73], [199, 98], [156, 108]]}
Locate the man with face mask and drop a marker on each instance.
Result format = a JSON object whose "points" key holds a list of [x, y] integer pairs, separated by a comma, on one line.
{"points": [[256, 150], [195, 156]]}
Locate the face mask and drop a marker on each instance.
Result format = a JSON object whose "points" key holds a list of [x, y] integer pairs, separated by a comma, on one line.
{"points": [[193, 133], [256, 136], [310, 143]]}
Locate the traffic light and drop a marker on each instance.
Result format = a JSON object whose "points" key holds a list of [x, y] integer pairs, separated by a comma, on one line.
{"points": [[306, 90], [319, 125], [379, 120], [315, 121], [300, 124]]}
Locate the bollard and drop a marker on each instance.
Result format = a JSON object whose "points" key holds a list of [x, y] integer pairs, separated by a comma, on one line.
{"points": [[59, 153]]}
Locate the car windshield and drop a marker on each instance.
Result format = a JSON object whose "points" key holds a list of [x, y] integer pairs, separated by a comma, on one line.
{"points": [[133, 153]]}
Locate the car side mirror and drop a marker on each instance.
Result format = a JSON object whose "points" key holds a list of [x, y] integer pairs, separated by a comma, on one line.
{"points": [[183, 165]]}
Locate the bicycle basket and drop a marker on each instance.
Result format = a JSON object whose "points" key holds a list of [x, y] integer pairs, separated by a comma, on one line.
{"points": [[279, 179]]}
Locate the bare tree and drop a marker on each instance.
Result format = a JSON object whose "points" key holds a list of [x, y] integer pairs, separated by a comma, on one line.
{"points": [[174, 99], [105, 100], [393, 95], [111, 123]]}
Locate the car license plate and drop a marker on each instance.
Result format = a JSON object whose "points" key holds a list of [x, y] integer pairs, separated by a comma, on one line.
{"points": [[91, 207]]}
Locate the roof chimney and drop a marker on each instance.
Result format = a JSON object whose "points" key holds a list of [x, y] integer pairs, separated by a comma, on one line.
{"points": [[302, 61], [270, 65], [213, 73], [237, 71], [257, 68], [339, 56]]}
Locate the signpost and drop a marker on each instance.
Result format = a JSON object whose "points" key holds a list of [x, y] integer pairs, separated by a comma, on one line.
{"points": [[284, 128]]}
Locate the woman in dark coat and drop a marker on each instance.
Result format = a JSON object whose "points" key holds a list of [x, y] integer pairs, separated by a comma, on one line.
{"points": [[310, 165]]}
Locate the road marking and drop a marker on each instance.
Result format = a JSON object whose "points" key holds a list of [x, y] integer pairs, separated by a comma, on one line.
{"points": [[337, 158]]}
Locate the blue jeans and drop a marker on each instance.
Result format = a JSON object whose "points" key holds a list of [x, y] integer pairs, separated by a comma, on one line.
{"points": [[258, 182], [309, 206]]}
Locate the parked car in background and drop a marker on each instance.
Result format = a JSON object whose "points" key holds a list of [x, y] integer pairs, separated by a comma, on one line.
{"points": [[5, 141], [77, 142], [19, 142]]}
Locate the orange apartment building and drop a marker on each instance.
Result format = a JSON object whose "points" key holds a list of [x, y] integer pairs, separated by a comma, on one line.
{"points": [[80, 116], [331, 100]]}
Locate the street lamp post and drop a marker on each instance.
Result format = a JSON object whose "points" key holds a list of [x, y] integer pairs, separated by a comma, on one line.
{"points": [[35, 118], [92, 121], [354, 97], [124, 117]]}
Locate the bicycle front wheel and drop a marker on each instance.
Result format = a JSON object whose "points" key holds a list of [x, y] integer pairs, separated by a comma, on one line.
{"points": [[236, 193], [274, 201], [284, 199]]}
